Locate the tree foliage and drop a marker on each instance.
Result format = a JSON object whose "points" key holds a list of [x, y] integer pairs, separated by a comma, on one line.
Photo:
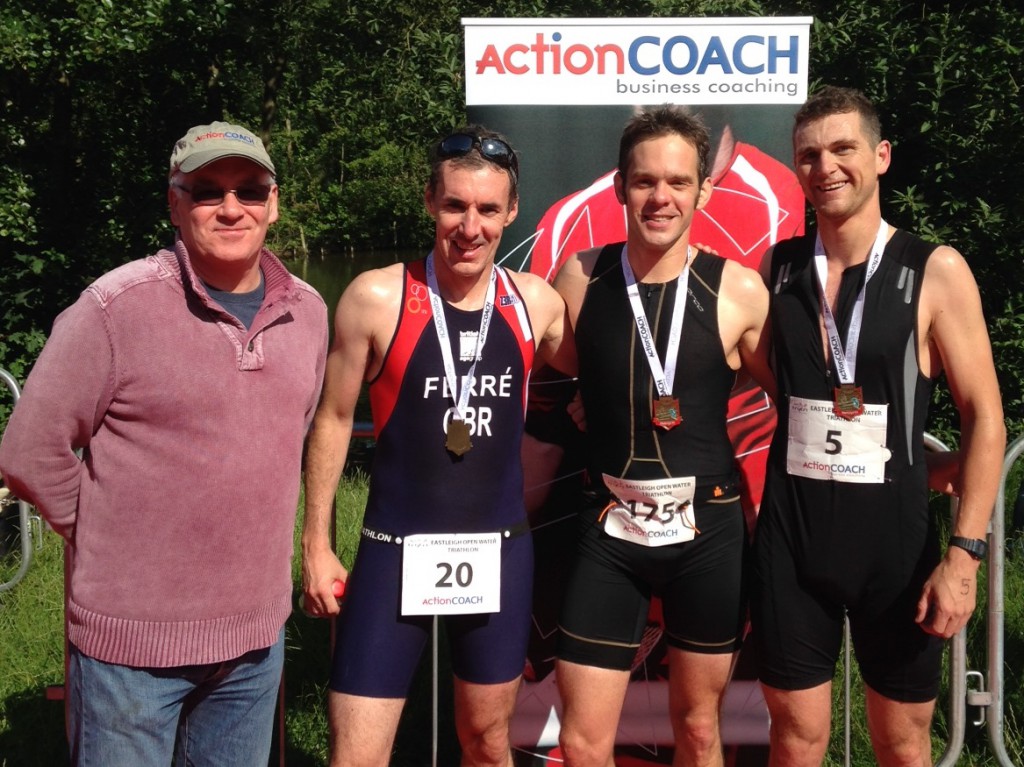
{"points": [[347, 94], [948, 80]]}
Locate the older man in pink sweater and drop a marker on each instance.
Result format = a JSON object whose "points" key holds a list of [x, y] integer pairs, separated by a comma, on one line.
{"points": [[160, 433]]}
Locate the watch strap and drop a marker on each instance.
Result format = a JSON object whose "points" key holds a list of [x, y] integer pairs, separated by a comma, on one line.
{"points": [[976, 547]]}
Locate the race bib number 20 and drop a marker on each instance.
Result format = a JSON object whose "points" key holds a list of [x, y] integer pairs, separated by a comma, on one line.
{"points": [[451, 574], [825, 446]]}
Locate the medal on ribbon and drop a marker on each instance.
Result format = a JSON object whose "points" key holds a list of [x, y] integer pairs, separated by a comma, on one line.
{"points": [[665, 408], [848, 401], [457, 437], [457, 431], [666, 413], [847, 398]]}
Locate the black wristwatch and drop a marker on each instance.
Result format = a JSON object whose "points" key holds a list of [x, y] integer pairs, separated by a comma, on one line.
{"points": [[976, 547]]}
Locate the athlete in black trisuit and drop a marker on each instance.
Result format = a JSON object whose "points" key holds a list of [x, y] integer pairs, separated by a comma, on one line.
{"points": [[661, 332], [864, 317]]}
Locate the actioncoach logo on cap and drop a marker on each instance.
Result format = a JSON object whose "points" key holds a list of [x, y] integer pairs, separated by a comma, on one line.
{"points": [[204, 144], [229, 135]]}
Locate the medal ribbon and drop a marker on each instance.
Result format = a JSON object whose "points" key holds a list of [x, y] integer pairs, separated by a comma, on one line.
{"points": [[663, 377], [846, 359], [460, 398]]}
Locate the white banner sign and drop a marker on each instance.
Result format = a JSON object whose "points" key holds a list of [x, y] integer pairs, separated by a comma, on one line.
{"points": [[636, 61]]}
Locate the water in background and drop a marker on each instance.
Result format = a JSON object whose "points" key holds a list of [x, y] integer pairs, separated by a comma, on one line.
{"points": [[331, 274]]}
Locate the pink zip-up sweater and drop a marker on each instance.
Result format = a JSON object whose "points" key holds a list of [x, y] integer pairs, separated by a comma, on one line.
{"points": [[179, 515]]}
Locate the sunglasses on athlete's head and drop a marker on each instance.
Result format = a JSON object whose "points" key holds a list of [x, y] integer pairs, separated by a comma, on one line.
{"points": [[249, 194], [493, 149]]}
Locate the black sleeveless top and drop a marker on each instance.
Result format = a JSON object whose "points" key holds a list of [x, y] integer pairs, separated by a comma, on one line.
{"points": [[618, 389], [887, 364], [839, 529]]}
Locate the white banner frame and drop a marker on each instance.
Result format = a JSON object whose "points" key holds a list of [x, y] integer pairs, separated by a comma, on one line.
{"points": [[575, 61]]}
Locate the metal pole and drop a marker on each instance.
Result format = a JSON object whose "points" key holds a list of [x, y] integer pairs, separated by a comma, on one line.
{"points": [[26, 519], [957, 659], [846, 691], [434, 706], [997, 563]]}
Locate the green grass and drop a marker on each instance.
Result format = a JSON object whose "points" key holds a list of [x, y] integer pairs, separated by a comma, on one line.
{"points": [[31, 658]]}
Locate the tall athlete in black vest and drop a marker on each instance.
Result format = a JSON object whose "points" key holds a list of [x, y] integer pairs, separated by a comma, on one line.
{"points": [[864, 317], [661, 331]]}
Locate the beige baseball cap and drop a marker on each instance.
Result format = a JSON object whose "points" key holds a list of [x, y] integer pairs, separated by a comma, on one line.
{"points": [[204, 144]]}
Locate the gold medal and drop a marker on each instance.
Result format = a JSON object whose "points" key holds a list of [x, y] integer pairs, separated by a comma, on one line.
{"points": [[457, 437], [848, 401], [666, 413]]}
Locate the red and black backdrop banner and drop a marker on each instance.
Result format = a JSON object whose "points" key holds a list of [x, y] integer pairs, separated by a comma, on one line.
{"points": [[561, 90]]}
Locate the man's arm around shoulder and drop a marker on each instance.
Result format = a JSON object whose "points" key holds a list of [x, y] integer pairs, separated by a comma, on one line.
{"points": [[573, 278], [546, 415]]}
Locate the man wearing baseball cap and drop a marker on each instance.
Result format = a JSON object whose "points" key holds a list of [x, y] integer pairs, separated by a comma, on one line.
{"points": [[160, 433]]}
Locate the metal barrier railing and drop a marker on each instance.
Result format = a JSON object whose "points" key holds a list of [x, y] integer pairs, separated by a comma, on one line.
{"points": [[30, 530], [990, 702]]}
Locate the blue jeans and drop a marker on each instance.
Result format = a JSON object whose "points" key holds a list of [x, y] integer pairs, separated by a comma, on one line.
{"points": [[212, 714]]}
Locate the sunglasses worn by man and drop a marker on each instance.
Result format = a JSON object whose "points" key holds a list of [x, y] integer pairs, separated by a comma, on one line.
{"points": [[493, 149], [250, 194]]}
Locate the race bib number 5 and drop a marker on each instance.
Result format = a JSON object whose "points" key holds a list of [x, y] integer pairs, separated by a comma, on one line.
{"points": [[451, 574], [824, 446]]}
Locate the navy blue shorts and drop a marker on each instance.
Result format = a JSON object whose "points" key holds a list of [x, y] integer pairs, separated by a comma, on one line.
{"points": [[377, 649], [701, 584]]}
